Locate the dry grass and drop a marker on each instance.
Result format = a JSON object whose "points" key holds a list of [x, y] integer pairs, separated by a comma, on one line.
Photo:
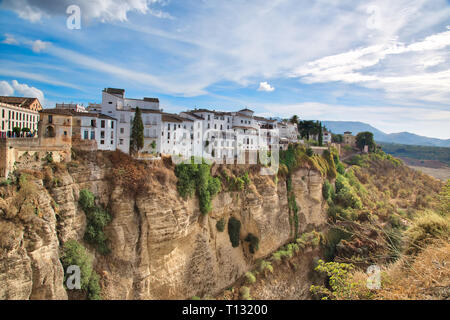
{"points": [[426, 277]]}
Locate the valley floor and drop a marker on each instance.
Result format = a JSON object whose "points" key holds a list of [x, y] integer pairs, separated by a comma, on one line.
{"points": [[438, 173]]}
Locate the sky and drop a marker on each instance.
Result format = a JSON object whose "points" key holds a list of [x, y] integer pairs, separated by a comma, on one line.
{"points": [[386, 63]]}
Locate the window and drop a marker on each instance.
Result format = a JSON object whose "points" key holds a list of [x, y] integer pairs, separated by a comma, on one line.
{"points": [[50, 119], [102, 134], [92, 135], [112, 124], [102, 141], [122, 130], [112, 141], [120, 141], [102, 123], [110, 102], [65, 133], [92, 123], [112, 134], [86, 134]]}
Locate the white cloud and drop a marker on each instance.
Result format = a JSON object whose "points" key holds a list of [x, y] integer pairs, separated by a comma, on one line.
{"points": [[264, 86], [9, 39], [20, 89], [39, 45], [6, 89], [27, 91], [103, 10], [355, 67]]}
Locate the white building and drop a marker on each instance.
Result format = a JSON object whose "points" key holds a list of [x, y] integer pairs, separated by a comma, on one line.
{"points": [[95, 126], [326, 137], [199, 132], [114, 104], [16, 116]]}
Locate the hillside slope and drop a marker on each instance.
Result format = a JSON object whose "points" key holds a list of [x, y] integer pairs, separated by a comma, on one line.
{"points": [[339, 127]]}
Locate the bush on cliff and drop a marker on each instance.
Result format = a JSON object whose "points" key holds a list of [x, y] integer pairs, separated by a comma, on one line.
{"points": [[254, 242], [97, 219], [327, 190], [196, 178], [74, 254], [234, 229], [220, 225]]}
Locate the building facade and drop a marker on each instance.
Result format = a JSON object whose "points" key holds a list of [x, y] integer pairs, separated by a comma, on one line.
{"points": [[95, 126], [349, 139], [15, 116]]}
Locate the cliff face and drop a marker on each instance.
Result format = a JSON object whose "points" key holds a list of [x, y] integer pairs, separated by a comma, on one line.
{"points": [[162, 246]]}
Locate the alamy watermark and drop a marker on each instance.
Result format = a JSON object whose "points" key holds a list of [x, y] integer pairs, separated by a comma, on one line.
{"points": [[374, 280], [73, 281], [74, 19]]}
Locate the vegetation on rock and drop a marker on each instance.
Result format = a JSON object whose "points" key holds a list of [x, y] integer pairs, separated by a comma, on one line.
{"points": [[196, 178], [73, 253], [234, 229], [97, 219]]}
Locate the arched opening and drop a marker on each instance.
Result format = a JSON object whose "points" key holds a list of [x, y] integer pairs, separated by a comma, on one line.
{"points": [[50, 132]]}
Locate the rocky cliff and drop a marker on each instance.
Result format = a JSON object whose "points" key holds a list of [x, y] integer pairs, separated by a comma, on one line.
{"points": [[162, 246]]}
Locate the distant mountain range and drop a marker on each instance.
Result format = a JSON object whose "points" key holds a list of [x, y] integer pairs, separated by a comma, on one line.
{"points": [[400, 138]]}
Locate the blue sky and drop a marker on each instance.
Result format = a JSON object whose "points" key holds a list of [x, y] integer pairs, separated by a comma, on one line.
{"points": [[382, 62]]}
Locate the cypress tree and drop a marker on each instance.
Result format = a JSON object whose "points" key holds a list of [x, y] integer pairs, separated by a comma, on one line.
{"points": [[137, 132], [320, 134]]}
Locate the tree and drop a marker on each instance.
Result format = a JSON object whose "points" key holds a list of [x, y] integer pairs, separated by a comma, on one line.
{"points": [[137, 132], [153, 145], [365, 139], [320, 135], [16, 131], [338, 138], [306, 128], [294, 119]]}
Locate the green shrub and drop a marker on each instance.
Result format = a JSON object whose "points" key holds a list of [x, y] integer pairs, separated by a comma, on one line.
{"points": [[197, 178], [333, 238], [327, 190], [97, 219], [254, 242], [346, 195], [234, 228], [86, 200], [6, 182], [220, 225], [94, 290], [246, 179], [338, 280], [265, 266], [250, 277], [340, 168], [309, 152], [73, 253], [245, 293]]}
